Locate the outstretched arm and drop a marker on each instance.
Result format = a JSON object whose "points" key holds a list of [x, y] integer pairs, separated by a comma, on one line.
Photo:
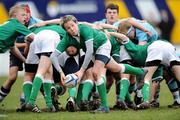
{"points": [[139, 26], [99, 25], [47, 22], [121, 37], [107, 26], [126, 41]]}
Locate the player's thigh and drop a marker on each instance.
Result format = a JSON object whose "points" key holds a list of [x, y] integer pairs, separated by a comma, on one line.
{"points": [[44, 65], [113, 66]]}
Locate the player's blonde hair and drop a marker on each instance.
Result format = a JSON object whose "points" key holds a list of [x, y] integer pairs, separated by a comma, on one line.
{"points": [[124, 27], [66, 19], [14, 9]]}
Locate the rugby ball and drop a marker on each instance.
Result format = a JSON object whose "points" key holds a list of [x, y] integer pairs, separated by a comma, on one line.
{"points": [[71, 80]]}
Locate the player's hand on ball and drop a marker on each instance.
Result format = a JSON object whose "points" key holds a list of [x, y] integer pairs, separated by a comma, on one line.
{"points": [[62, 78]]}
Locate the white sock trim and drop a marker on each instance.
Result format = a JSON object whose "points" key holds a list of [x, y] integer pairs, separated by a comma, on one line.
{"points": [[89, 81], [47, 81], [82, 82], [146, 82], [39, 76], [104, 77], [27, 82], [99, 82], [122, 68], [125, 79]]}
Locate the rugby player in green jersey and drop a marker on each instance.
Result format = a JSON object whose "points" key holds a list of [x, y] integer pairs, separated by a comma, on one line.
{"points": [[45, 41], [151, 55], [95, 44], [9, 31]]}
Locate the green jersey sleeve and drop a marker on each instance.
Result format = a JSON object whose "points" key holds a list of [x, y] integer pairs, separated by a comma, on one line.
{"points": [[137, 52], [20, 28], [67, 41], [62, 45], [86, 33]]}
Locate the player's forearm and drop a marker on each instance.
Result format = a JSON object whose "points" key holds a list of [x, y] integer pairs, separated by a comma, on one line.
{"points": [[108, 26], [15, 51], [20, 45], [54, 21], [137, 25], [54, 59], [88, 55], [26, 49], [47, 22], [121, 37], [30, 37]]}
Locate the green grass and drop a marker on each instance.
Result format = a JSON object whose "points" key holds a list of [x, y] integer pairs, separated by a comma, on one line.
{"points": [[9, 105]]}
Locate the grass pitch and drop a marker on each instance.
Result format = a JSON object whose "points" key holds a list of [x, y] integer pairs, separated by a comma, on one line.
{"points": [[9, 105]]}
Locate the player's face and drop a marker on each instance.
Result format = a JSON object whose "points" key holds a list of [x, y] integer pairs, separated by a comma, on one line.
{"points": [[21, 15], [71, 50], [111, 16], [71, 27], [28, 17]]}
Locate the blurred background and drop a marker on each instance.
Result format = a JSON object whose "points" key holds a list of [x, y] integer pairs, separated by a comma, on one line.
{"points": [[156, 12]]}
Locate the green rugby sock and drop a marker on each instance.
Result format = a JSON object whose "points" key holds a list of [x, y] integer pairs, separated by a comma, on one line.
{"points": [[124, 88], [27, 86], [145, 92], [79, 94], [72, 92], [102, 92], [35, 89], [87, 87], [47, 92], [132, 70]]}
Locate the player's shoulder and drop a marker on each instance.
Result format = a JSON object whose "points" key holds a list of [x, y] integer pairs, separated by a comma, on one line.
{"points": [[13, 20], [100, 21], [84, 28]]}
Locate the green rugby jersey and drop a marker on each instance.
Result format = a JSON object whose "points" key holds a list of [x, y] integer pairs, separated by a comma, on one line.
{"points": [[8, 33], [86, 33], [55, 28], [67, 41], [137, 52]]}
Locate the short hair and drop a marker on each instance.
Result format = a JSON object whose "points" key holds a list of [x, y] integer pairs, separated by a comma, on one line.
{"points": [[66, 19], [14, 9], [112, 6], [124, 27], [26, 7]]}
